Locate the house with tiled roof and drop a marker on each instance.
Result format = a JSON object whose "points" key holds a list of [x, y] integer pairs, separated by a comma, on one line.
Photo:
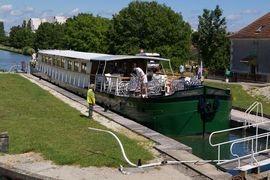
{"points": [[250, 51]]}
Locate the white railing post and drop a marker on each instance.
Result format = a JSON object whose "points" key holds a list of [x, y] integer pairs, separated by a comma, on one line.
{"points": [[218, 153], [256, 145], [117, 93]]}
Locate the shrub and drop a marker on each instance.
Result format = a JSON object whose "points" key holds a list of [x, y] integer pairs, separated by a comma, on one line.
{"points": [[28, 50]]}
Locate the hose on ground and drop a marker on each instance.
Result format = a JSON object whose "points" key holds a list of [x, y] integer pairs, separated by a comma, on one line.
{"points": [[151, 164]]}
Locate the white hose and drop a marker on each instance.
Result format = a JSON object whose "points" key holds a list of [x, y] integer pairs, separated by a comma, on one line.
{"points": [[152, 164], [119, 142]]}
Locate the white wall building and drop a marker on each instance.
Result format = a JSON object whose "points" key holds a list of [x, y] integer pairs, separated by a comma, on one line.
{"points": [[35, 22]]}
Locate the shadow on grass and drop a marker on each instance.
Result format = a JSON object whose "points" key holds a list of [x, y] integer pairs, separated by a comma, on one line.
{"points": [[85, 117]]}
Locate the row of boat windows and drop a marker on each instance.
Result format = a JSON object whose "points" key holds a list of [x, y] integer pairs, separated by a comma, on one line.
{"points": [[80, 80], [61, 61]]}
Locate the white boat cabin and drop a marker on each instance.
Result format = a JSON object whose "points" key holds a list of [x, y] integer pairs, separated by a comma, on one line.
{"points": [[110, 73]]}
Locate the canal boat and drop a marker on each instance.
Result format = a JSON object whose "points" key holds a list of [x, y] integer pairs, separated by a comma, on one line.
{"points": [[173, 106]]}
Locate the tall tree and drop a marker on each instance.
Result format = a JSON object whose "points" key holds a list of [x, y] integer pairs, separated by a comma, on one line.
{"points": [[212, 40], [153, 27], [2, 32], [49, 36], [3, 37], [86, 32]]}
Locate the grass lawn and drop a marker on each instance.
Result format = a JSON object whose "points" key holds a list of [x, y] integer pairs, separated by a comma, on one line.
{"points": [[37, 121], [240, 98]]}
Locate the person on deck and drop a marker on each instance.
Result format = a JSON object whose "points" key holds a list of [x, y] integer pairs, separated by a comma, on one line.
{"points": [[182, 70], [142, 79], [91, 100]]}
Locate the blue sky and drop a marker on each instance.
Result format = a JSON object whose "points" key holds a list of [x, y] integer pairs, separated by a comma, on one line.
{"points": [[239, 13]]}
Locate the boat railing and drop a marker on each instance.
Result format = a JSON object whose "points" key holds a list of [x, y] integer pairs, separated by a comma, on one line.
{"points": [[126, 86], [111, 84], [253, 139]]}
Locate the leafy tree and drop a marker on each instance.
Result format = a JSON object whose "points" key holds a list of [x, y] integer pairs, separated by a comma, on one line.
{"points": [[20, 37], [86, 32], [153, 27], [49, 36], [212, 40]]}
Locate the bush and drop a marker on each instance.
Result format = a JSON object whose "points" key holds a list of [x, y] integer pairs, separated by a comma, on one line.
{"points": [[28, 50]]}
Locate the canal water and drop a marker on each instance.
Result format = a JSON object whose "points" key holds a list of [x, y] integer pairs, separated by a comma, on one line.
{"points": [[201, 147], [9, 59]]}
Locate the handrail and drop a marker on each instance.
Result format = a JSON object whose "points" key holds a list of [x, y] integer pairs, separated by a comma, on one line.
{"points": [[250, 138], [257, 105], [244, 139], [232, 129], [16, 65]]}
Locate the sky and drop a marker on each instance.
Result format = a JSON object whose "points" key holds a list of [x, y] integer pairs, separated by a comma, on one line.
{"points": [[238, 13]]}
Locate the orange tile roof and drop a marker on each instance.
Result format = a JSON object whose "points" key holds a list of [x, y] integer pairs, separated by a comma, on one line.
{"points": [[257, 29]]}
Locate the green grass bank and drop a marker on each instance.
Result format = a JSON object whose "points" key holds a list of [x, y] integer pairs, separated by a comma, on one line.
{"points": [[37, 121], [240, 98], [11, 49]]}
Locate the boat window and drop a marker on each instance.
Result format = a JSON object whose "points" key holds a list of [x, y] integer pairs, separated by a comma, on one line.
{"points": [[42, 58], [62, 62], [70, 65], [58, 62], [76, 66], [49, 60], [54, 62], [83, 70]]}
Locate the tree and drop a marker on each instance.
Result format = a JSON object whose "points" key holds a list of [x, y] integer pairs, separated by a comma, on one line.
{"points": [[86, 32], [49, 36], [153, 27], [3, 37], [212, 40], [21, 37]]}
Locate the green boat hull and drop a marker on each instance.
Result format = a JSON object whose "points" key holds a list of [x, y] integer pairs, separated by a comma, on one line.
{"points": [[175, 115]]}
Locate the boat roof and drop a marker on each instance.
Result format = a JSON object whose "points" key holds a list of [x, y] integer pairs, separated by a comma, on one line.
{"points": [[95, 56]]}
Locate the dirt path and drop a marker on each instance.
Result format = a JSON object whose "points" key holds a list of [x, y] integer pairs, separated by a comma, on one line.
{"points": [[36, 164]]}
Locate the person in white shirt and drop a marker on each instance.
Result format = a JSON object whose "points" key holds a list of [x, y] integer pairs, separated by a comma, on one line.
{"points": [[182, 70], [142, 79]]}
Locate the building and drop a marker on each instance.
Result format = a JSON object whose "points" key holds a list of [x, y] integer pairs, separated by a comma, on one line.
{"points": [[35, 22], [250, 51]]}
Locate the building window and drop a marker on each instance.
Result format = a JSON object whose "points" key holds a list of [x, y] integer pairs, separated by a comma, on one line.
{"points": [[70, 65], [63, 63], [76, 66], [260, 29], [83, 68]]}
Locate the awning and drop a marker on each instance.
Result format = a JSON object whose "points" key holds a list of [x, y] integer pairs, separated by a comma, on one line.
{"points": [[96, 56]]}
